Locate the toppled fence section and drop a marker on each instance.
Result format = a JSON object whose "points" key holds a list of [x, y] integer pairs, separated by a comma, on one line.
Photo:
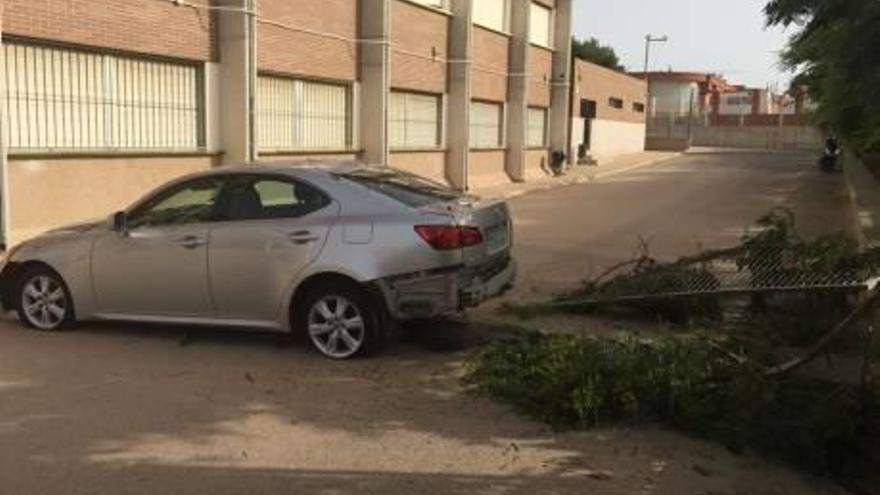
{"points": [[775, 258]]}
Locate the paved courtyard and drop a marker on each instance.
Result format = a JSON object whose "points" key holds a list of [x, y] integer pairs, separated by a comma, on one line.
{"points": [[133, 409]]}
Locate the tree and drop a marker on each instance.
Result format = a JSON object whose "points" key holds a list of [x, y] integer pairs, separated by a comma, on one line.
{"points": [[834, 53], [593, 51]]}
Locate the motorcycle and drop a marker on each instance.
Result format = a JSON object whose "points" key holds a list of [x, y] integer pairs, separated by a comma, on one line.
{"points": [[828, 162]]}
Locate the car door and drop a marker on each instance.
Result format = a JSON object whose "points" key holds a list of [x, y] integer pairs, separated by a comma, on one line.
{"points": [[159, 264], [273, 228]]}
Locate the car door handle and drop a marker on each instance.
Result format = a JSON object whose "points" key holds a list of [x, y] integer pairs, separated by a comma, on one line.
{"points": [[302, 237], [191, 242]]}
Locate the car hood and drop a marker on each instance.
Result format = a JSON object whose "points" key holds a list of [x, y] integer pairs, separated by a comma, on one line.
{"points": [[75, 229]]}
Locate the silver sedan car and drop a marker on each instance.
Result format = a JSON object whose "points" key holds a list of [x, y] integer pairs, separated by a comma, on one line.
{"points": [[334, 252]]}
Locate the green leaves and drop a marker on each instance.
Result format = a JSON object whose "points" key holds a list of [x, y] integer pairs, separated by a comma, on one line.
{"points": [[593, 51], [715, 389], [834, 54]]}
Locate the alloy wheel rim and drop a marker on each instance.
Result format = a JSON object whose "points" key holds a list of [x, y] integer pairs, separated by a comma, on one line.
{"points": [[336, 327], [44, 302]]}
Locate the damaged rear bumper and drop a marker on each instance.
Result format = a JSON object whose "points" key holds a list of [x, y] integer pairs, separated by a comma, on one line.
{"points": [[438, 292]]}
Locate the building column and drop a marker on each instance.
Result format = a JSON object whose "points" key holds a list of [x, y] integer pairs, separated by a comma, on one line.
{"points": [[518, 90], [560, 92], [459, 106], [374, 27], [4, 153], [236, 81]]}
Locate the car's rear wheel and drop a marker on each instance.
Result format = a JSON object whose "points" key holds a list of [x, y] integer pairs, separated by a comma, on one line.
{"points": [[43, 300], [340, 320]]}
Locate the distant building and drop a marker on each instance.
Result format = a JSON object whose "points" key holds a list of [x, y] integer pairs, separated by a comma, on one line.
{"points": [[750, 101], [683, 93]]}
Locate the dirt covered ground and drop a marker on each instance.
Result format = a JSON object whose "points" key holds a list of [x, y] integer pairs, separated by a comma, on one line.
{"points": [[129, 409]]}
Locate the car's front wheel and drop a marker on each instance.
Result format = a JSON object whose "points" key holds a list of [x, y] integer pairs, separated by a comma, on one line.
{"points": [[43, 301], [340, 320]]}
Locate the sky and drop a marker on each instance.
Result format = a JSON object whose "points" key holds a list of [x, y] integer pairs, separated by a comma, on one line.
{"points": [[723, 36]]}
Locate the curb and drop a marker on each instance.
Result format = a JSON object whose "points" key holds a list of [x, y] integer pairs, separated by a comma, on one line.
{"points": [[861, 188], [636, 166], [573, 180]]}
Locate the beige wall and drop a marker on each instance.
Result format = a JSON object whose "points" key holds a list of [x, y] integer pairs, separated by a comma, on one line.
{"points": [[46, 194], [486, 169], [771, 137], [537, 164], [430, 164], [611, 138], [297, 158]]}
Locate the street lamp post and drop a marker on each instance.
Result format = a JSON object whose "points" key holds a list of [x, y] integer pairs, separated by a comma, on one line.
{"points": [[648, 40]]}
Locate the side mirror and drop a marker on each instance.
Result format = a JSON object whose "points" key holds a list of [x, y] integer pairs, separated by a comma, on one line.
{"points": [[119, 222]]}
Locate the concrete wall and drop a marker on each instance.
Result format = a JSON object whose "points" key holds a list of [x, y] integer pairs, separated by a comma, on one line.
{"points": [[784, 138], [537, 163], [49, 193], [487, 168], [430, 164], [666, 144], [297, 158], [611, 138]]}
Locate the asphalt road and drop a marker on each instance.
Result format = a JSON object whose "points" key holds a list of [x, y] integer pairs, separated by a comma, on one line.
{"points": [[697, 201], [132, 409]]}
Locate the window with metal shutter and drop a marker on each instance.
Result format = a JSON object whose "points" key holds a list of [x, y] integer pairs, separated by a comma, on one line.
{"points": [[541, 25], [487, 125], [414, 120], [62, 100], [492, 14], [537, 128], [298, 115], [440, 4]]}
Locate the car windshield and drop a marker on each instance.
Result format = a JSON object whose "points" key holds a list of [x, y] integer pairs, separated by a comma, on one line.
{"points": [[408, 189]]}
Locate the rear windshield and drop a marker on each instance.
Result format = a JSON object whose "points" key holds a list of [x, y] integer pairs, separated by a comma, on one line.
{"points": [[409, 189]]}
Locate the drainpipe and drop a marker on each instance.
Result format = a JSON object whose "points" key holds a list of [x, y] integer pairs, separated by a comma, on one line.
{"points": [[251, 40]]}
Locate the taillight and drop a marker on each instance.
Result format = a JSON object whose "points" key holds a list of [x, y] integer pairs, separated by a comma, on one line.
{"points": [[448, 237]]}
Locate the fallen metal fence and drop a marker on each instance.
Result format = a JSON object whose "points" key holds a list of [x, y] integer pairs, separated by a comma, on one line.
{"points": [[731, 271]]}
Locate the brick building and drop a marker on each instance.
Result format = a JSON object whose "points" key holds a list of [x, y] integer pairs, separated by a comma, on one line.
{"points": [[607, 113], [108, 98]]}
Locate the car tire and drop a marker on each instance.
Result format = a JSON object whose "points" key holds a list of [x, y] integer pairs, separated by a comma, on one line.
{"points": [[42, 300], [340, 320]]}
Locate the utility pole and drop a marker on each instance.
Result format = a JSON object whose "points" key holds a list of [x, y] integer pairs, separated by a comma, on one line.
{"points": [[649, 38]]}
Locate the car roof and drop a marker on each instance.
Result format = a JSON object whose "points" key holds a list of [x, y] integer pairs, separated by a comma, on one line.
{"points": [[296, 169]]}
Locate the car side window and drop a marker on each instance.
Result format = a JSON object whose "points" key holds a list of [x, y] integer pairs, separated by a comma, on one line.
{"points": [[272, 198], [191, 202]]}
